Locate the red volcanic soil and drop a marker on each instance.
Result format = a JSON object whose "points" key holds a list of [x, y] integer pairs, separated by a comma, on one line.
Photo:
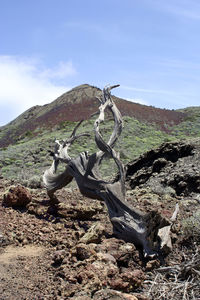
{"points": [[83, 110], [80, 103]]}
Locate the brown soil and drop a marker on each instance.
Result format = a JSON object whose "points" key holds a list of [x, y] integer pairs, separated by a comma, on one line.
{"points": [[20, 267], [12, 253], [45, 252]]}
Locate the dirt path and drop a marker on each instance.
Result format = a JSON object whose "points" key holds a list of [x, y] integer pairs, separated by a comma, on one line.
{"points": [[22, 272], [12, 253]]}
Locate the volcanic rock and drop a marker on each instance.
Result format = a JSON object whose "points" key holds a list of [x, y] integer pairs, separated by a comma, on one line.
{"points": [[172, 169], [94, 234], [17, 196], [113, 295]]}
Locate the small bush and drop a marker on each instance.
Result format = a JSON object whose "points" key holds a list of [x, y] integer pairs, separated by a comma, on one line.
{"points": [[29, 164], [34, 182], [191, 226], [28, 133]]}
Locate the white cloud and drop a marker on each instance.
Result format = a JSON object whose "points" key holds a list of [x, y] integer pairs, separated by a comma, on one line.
{"points": [[137, 100], [25, 83], [64, 69]]}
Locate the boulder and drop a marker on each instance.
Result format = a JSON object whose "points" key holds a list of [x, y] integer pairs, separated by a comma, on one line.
{"points": [[17, 196], [80, 211], [94, 234], [128, 280], [114, 295]]}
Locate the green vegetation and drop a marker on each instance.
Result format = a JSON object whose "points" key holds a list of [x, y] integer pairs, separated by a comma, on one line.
{"points": [[191, 124], [191, 226], [29, 157], [65, 124]]}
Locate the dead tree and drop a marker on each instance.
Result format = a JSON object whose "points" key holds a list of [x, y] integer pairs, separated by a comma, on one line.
{"points": [[128, 224]]}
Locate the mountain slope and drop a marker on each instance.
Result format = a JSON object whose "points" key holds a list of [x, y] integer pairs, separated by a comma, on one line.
{"points": [[79, 103]]}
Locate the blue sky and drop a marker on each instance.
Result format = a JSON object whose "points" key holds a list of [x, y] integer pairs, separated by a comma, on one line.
{"points": [[150, 47]]}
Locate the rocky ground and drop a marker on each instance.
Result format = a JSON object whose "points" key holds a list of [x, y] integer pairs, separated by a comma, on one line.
{"points": [[67, 251]]}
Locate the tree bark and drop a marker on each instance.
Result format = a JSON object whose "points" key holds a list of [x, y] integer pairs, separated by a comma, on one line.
{"points": [[128, 223]]}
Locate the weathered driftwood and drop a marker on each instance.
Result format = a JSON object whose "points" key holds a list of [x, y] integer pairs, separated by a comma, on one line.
{"points": [[164, 233], [128, 224]]}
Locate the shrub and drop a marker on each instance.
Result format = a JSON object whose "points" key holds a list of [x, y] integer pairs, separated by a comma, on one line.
{"points": [[28, 133], [34, 182], [29, 164], [191, 226]]}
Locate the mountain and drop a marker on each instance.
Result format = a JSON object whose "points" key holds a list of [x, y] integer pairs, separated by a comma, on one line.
{"points": [[26, 141], [79, 103]]}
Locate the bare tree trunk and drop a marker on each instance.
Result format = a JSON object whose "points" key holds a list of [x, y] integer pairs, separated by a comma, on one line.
{"points": [[128, 224]]}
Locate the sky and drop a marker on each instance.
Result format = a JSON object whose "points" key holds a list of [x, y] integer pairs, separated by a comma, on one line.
{"points": [[150, 47]]}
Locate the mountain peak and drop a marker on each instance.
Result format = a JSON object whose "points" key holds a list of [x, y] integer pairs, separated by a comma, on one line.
{"points": [[83, 86], [80, 103]]}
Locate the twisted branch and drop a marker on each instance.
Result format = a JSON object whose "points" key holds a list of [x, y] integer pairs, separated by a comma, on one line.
{"points": [[128, 223]]}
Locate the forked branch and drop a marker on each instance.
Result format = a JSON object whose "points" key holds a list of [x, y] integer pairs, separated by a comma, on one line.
{"points": [[128, 223]]}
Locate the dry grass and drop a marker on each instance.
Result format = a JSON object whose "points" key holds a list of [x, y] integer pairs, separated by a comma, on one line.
{"points": [[178, 282]]}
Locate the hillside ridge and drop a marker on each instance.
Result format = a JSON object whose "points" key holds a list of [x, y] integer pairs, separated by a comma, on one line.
{"points": [[79, 103]]}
